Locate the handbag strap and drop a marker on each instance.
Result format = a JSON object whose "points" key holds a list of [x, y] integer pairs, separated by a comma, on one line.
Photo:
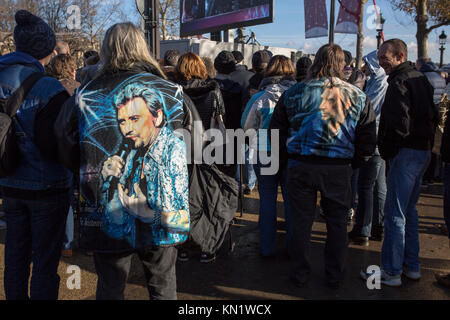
{"points": [[15, 101]]}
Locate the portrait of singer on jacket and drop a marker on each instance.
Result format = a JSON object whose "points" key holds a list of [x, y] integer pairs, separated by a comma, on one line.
{"points": [[150, 171], [119, 132]]}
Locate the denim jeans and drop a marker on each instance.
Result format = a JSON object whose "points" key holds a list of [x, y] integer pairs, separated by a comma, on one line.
{"points": [[447, 194], [249, 172], [35, 233], [268, 193], [401, 221], [159, 269], [333, 182], [371, 196], [68, 238]]}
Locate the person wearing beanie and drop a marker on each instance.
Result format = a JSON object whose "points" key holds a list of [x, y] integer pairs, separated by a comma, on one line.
{"points": [[231, 91], [225, 63], [241, 74], [36, 194], [302, 67], [239, 57]]}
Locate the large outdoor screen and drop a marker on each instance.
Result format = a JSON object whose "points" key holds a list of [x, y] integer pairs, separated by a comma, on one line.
{"points": [[203, 16]]}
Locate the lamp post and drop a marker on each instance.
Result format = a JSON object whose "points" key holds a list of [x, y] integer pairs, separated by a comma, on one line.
{"points": [[442, 41], [379, 26], [149, 10]]}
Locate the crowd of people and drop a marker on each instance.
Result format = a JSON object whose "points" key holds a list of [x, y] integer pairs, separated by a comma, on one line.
{"points": [[110, 132]]}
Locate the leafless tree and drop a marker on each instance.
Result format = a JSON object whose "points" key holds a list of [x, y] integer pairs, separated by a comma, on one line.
{"points": [[435, 12], [169, 15]]}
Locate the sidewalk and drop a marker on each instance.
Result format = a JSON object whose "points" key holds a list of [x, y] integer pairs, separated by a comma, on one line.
{"points": [[242, 274]]}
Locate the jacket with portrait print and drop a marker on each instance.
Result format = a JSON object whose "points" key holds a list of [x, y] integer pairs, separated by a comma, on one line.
{"points": [[325, 120], [88, 134]]}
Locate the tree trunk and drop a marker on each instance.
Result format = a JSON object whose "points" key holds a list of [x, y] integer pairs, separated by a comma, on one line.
{"points": [[360, 36], [422, 30], [163, 26]]}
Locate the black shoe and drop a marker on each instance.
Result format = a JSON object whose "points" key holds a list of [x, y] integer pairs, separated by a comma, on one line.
{"points": [[358, 240], [272, 256], [377, 234], [207, 258], [183, 255], [334, 284], [297, 282], [247, 191]]}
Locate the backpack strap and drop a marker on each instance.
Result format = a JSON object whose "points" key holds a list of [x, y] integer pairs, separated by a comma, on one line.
{"points": [[15, 101]]}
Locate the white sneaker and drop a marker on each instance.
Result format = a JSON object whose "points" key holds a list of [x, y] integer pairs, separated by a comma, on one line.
{"points": [[2, 225], [385, 278], [413, 275]]}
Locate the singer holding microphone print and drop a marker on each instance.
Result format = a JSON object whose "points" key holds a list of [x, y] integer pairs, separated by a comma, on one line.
{"points": [[119, 133]]}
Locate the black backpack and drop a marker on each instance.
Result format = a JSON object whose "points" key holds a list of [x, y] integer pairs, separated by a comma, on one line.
{"points": [[9, 151]]}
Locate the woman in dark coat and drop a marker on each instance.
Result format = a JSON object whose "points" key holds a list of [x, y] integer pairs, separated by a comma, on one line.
{"points": [[192, 75]]}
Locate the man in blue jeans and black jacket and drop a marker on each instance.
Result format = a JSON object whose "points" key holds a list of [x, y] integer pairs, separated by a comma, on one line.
{"points": [[36, 194], [405, 138]]}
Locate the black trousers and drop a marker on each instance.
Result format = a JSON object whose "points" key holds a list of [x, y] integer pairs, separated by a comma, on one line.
{"points": [[159, 268], [334, 184]]}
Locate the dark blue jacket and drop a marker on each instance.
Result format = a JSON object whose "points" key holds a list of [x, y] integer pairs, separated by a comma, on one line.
{"points": [[36, 170], [431, 71]]}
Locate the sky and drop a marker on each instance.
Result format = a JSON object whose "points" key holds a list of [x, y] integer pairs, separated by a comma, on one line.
{"points": [[288, 30]]}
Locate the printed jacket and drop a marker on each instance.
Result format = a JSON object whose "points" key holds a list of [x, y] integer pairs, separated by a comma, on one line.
{"points": [[376, 86], [261, 111], [160, 172], [325, 120]]}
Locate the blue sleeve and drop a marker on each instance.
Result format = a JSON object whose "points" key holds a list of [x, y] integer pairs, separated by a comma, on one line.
{"points": [[248, 107]]}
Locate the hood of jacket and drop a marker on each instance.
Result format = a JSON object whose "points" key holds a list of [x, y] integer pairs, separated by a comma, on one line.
{"points": [[285, 81], [275, 86], [429, 67], [19, 58], [376, 84], [197, 87]]}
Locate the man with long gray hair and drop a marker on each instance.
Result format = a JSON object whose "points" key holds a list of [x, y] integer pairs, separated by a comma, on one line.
{"points": [[326, 125], [133, 168]]}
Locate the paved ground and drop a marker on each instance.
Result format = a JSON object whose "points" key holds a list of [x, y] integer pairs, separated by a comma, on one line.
{"points": [[242, 274]]}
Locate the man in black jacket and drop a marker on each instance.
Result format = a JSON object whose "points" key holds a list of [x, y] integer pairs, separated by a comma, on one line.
{"points": [[405, 137]]}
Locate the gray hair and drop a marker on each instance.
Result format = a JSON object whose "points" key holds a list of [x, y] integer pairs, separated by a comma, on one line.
{"points": [[124, 45]]}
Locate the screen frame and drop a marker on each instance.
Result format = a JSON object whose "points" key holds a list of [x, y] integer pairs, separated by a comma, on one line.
{"points": [[184, 33]]}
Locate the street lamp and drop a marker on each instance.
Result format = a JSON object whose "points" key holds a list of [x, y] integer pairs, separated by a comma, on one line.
{"points": [[149, 10], [442, 41], [379, 26]]}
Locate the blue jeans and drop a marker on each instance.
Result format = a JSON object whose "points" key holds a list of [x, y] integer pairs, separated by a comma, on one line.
{"points": [[68, 239], [249, 173], [401, 221], [447, 194], [35, 233], [371, 196], [268, 193]]}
